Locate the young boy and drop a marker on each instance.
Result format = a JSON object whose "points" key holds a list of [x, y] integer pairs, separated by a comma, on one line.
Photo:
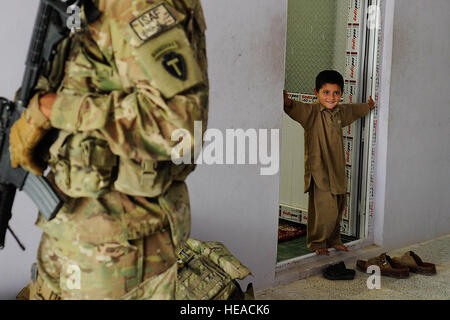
{"points": [[324, 157]]}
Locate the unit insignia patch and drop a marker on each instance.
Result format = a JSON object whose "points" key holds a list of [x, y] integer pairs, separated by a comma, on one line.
{"points": [[153, 22], [175, 64]]}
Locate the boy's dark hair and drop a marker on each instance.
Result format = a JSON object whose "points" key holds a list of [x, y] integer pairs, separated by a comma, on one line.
{"points": [[329, 76]]}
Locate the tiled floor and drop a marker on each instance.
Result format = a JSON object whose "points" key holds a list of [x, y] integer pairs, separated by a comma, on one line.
{"points": [[415, 287]]}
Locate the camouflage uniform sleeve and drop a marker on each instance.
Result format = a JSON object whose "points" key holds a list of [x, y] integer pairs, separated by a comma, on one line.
{"points": [[156, 53]]}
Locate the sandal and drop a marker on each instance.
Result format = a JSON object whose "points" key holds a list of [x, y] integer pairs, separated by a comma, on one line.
{"points": [[386, 265], [415, 264]]}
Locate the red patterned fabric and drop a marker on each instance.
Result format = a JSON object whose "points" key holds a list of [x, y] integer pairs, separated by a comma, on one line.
{"points": [[290, 230]]}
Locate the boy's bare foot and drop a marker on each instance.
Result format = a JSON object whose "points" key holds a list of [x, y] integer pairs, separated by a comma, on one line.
{"points": [[322, 252], [340, 247]]}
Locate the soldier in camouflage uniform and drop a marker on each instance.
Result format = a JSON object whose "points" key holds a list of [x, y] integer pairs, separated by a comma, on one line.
{"points": [[129, 80]]}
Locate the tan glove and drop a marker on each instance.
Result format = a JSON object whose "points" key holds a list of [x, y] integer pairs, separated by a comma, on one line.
{"points": [[25, 136]]}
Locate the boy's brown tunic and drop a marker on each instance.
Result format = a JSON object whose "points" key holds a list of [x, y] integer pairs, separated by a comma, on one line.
{"points": [[325, 166], [324, 144]]}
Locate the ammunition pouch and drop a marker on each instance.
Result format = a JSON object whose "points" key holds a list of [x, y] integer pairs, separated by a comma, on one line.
{"points": [[149, 178], [146, 179], [208, 271], [83, 165]]}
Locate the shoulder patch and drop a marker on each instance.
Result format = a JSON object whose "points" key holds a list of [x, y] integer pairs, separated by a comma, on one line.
{"points": [[153, 22]]}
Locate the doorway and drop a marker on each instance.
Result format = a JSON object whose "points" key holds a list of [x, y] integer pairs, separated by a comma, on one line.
{"points": [[340, 35]]}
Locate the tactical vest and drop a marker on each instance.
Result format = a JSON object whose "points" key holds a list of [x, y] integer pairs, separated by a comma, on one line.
{"points": [[83, 164]]}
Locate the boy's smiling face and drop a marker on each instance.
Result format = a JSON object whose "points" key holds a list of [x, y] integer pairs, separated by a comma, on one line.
{"points": [[329, 95]]}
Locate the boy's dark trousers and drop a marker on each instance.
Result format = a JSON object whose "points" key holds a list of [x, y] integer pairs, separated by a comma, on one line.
{"points": [[324, 218]]}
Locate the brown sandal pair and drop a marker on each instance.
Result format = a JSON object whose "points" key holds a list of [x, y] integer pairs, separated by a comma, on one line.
{"points": [[398, 267]]}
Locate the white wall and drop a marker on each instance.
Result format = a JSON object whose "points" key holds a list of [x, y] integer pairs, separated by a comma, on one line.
{"points": [[417, 198], [233, 204], [17, 19]]}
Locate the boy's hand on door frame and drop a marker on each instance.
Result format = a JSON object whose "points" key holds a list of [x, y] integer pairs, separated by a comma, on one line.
{"points": [[287, 100], [371, 103]]}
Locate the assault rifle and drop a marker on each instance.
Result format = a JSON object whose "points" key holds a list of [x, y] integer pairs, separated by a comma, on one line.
{"points": [[49, 30]]}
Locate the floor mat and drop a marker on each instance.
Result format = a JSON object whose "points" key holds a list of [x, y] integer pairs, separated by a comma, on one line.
{"points": [[296, 247], [292, 248], [290, 230]]}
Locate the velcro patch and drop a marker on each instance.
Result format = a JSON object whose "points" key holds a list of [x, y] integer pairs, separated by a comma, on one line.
{"points": [[153, 22]]}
